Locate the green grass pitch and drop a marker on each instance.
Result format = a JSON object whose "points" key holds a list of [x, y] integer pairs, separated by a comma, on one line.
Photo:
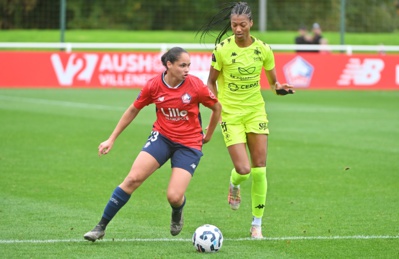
{"points": [[333, 175]]}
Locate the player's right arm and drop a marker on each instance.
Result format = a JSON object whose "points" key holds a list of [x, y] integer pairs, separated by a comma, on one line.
{"points": [[127, 117], [143, 99]]}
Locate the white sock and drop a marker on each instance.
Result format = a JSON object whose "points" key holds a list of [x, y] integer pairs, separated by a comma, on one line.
{"points": [[256, 221]]}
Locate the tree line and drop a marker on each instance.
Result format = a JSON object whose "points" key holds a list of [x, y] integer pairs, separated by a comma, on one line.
{"points": [[360, 15]]}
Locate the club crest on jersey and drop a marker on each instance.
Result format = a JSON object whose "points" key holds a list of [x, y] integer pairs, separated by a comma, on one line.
{"points": [[186, 98]]}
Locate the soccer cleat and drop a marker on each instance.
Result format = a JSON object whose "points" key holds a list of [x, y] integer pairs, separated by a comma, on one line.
{"points": [[97, 233], [176, 222], [256, 232], [234, 197]]}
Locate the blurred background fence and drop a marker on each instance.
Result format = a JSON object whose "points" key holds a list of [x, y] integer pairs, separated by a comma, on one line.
{"points": [[275, 15]]}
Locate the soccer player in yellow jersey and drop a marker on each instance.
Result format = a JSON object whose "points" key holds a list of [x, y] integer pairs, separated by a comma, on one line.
{"points": [[234, 76]]}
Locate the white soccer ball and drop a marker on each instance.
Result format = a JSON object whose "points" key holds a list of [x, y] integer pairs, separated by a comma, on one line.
{"points": [[207, 238]]}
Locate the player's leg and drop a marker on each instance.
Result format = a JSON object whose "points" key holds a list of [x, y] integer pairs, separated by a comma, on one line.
{"points": [[239, 173], [235, 138], [144, 165], [257, 135], [178, 183], [257, 145], [149, 159], [184, 162]]}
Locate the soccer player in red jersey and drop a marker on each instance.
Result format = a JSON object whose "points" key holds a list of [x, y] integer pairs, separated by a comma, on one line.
{"points": [[176, 135]]}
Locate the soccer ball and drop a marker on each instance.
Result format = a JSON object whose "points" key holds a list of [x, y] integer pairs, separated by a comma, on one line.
{"points": [[207, 238]]}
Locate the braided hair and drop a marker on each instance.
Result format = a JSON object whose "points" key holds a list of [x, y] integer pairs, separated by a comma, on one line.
{"points": [[235, 8]]}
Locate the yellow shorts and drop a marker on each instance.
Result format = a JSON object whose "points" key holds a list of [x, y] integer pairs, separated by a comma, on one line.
{"points": [[236, 126]]}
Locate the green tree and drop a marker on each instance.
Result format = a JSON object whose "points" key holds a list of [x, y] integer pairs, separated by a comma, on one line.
{"points": [[361, 15]]}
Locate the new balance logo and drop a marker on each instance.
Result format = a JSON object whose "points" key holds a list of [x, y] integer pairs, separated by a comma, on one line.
{"points": [[260, 206], [358, 73]]}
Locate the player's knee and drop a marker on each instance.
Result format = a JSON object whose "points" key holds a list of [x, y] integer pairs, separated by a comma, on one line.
{"points": [[131, 182], [174, 198], [243, 170]]}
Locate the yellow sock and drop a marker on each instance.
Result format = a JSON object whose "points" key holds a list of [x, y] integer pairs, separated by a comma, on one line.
{"points": [[258, 191], [237, 178]]}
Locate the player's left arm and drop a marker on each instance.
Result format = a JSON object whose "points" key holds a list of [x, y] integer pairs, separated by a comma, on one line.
{"points": [[271, 74], [209, 100], [277, 87], [213, 121]]}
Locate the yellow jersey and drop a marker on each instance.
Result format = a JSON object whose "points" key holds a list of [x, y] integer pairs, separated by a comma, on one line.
{"points": [[240, 70]]}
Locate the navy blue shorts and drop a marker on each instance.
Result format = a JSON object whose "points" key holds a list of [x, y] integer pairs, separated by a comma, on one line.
{"points": [[161, 148]]}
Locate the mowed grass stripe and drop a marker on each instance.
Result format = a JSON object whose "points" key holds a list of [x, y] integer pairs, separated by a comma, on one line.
{"points": [[60, 103]]}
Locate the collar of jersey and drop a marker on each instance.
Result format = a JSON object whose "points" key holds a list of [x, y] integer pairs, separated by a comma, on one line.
{"points": [[168, 86]]}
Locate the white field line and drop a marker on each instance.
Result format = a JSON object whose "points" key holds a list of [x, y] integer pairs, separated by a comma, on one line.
{"points": [[189, 240]]}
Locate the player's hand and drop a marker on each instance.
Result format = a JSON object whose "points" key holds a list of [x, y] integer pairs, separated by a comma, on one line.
{"points": [[105, 147], [206, 139], [284, 89]]}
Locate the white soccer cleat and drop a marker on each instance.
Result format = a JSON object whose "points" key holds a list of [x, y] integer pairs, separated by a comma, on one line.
{"points": [[256, 232]]}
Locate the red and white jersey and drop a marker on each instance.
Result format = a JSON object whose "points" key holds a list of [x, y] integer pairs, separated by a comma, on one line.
{"points": [[177, 109]]}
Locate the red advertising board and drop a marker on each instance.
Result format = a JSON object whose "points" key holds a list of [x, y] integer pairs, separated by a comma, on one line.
{"points": [[339, 71], [133, 69]]}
